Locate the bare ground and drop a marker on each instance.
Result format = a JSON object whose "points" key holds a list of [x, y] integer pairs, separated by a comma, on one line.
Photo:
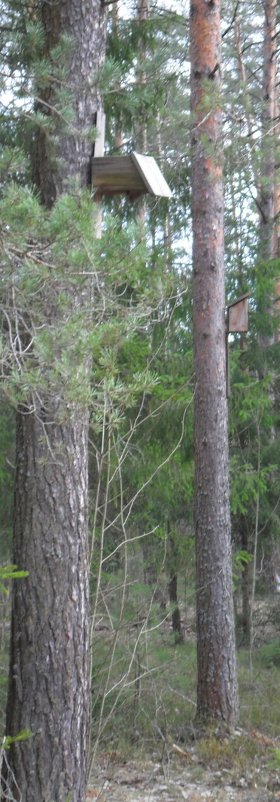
{"points": [[183, 778]]}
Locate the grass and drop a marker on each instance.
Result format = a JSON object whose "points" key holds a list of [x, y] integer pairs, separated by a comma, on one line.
{"points": [[269, 654], [259, 695], [144, 686], [238, 752], [149, 692]]}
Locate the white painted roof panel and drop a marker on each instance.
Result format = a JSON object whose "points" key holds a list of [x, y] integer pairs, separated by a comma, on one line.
{"points": [[152, 175]]}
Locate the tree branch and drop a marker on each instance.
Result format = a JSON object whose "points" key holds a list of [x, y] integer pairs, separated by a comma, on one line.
{"points": [[232, 20]]}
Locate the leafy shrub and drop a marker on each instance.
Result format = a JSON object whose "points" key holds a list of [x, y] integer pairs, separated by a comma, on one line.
{"points": [[270, 654]]}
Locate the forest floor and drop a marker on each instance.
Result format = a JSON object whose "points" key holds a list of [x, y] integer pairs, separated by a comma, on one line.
{"points": [[185, 777], [148, 753]]}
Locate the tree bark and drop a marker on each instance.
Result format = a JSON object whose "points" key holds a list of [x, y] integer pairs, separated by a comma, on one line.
{"points": [[49, 667], [66, 162], [268, 190], [176, 617], [49, 681], [141, 128], [217, 688], [246, 582], [143, 16], [269, 195]]}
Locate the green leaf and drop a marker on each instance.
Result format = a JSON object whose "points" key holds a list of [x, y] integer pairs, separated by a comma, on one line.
{"points": [[11, 572], [23, 735]]}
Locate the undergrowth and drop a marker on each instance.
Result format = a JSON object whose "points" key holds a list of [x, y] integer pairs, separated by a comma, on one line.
{"points": [[149, 695], [236, 752]]}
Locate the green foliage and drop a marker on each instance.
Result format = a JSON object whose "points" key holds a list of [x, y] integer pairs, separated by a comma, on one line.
{"points": [[150, 688], [247, 483], [270, 654], [259, 708], [10, 572], [127, 98], [241, 560], [27, 48], [21, 215], [23, 735], [13, 162], [56, 256], [138, 702], [275, 763]]}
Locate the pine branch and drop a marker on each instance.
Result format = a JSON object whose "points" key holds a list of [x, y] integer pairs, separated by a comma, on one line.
{"points": [[232, 20]]}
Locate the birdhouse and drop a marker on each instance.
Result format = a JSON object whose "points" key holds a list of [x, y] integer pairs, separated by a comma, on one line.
{"points": [[237, 320], [134, 175], [237, 314]]}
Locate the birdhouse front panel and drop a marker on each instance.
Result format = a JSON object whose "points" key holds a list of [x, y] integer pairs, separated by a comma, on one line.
{"points": [[116, 174], [238, 319]]}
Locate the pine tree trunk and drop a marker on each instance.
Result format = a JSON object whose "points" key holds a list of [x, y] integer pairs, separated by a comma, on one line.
{"points": [[269, 196], [143, 16], [141, 128], [268, 191], [66, 164], [49, 668], [49, 682], [246, 582], [176, 617], [216, 693]]}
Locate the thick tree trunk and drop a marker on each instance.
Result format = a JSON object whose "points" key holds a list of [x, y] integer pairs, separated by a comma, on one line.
{"points": [[49, 682], [49, 668], [65, 162], [217, 694]]}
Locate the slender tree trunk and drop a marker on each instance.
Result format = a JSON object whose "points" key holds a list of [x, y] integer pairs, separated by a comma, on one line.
{"points": [[176, 617], [141, 130], [249, 117], [246, 582], [217, 691], [49, 667], [143, 16], [268, 189]]}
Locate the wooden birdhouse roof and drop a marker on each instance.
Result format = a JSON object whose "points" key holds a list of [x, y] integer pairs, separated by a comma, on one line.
{"points": [[134, 174]]}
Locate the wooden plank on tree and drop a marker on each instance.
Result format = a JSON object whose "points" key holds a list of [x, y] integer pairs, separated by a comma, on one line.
{"points": [[100, 133], [152, 175], [238, 319]]}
